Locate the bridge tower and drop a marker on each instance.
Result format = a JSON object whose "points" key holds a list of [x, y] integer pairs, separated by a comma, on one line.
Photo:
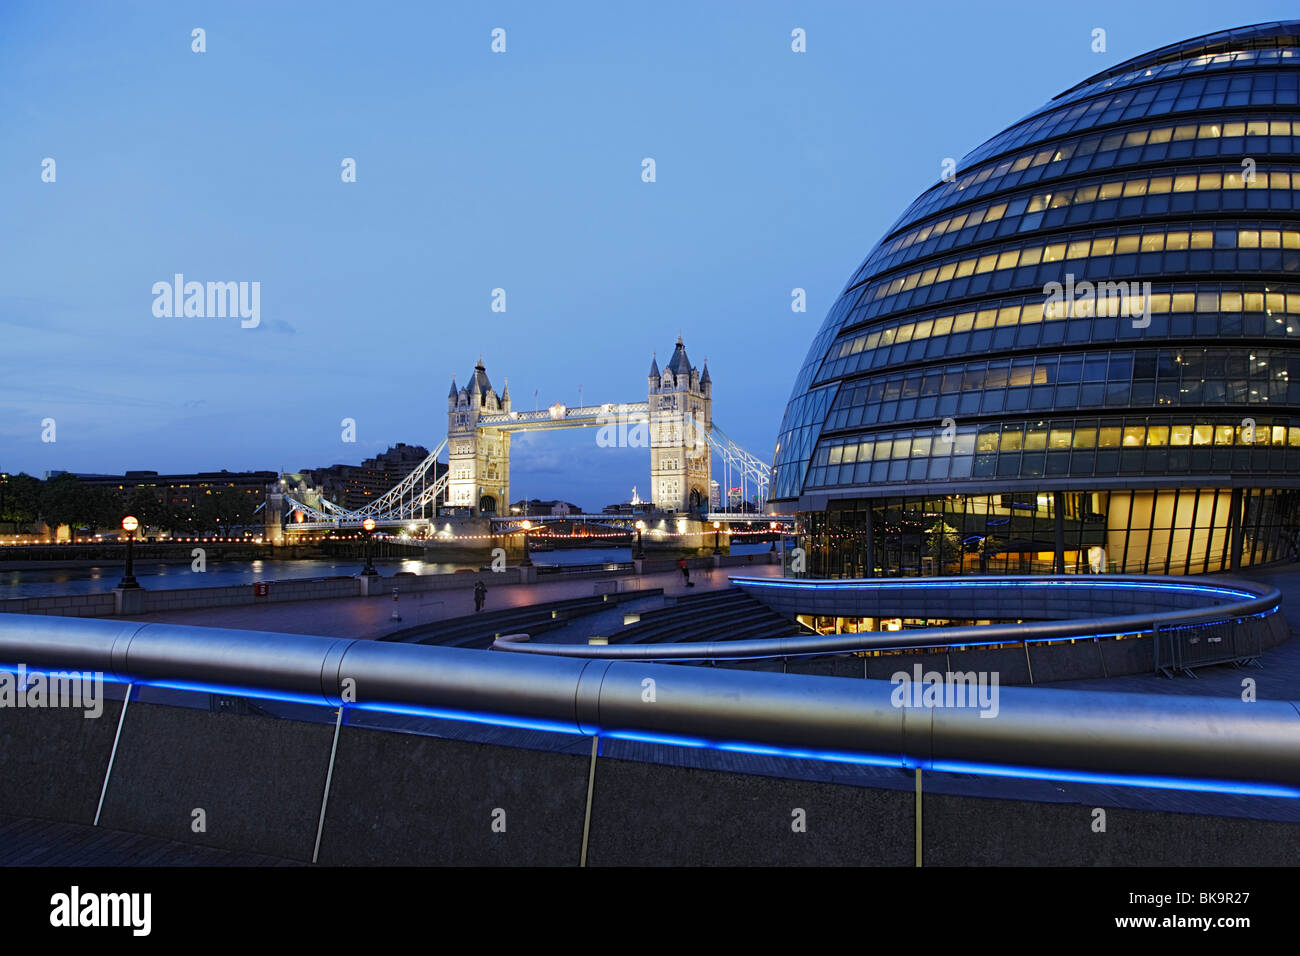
{"points": [[273, 513], [478, 457], [681, 417]]}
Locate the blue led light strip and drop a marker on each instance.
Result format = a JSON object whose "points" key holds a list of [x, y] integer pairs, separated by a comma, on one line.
{"points": [[900, 761], [839, 585]]}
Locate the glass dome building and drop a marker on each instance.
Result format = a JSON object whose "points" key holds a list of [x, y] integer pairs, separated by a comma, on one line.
{"points": [[1080, 352]]}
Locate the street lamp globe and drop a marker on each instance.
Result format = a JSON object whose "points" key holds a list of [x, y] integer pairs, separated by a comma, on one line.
{"points": [[129, 524], [527, 561], [369, 569]]}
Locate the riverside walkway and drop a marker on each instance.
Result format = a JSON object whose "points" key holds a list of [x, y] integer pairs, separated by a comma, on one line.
{"points": [[370, 618]]}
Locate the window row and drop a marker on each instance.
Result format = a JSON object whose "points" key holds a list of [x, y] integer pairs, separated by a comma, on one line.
{"points": [[1025, 213], [1040, 435], [1142, 531], [1210, 62], [800, 427], [1084, 448], [1149, 239], [1257, 137], [1084, 331], [1166, 377], [1100, 272], [1279, 305], [1157, 99], [1108, 211]]}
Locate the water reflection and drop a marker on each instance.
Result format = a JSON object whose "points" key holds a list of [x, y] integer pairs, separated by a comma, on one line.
{"points": [[41, 581]]}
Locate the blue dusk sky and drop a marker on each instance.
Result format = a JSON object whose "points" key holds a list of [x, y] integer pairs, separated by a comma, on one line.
{"points": [[475, 171]]}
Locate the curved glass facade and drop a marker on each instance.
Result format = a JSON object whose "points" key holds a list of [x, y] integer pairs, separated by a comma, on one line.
{"points": [[1083, 351]]}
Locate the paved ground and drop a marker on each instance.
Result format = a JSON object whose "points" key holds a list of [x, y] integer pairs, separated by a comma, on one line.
{"points": [[25, 841], [371, 617], [1276, 678]]}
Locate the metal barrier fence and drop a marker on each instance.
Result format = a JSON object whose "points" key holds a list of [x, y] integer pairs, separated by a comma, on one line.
{"points": [[1184, 647]]}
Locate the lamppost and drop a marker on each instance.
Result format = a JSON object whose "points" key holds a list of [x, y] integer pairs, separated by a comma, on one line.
{"points": [[527, 562], [717, 530], [369, 526], [772, 550], [640, 550], [129, 524]]}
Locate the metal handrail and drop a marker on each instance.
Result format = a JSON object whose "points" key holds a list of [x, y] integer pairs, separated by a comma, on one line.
{"points": [[1256, 600], [1143, 735]]}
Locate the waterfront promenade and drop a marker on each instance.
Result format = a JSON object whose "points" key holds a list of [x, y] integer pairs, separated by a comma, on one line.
{"points": [[370, 618]]}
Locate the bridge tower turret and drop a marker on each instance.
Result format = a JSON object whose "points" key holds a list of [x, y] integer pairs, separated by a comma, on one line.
{"points": [[681, 417], [478, 457]]}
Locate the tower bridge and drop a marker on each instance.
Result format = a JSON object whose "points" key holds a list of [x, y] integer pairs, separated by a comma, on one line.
{"points": [[675, 423]]}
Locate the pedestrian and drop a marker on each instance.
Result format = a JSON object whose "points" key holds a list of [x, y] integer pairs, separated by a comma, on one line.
{"points": [[480, 595], [686, 571]]}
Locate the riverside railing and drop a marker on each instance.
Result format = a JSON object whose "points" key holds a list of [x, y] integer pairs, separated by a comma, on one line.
{"points": [[1136, 739]]}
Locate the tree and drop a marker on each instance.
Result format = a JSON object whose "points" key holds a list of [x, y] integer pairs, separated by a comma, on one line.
{"points": [[943, 541], [20, 498], [104, 508], [222, 509], [63, 501], [144, 505], [66, 500]]}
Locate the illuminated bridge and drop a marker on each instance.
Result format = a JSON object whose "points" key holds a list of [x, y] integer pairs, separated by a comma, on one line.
{"points": [[689, 455]]}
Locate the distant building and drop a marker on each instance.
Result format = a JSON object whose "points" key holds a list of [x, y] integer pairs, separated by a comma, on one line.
{"points": [[181, 493], [636, 507], [535, 506], [355, 486]]}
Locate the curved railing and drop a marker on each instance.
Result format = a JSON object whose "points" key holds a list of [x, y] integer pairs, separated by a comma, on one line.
{"points": [[1207, 603], [1142, 739]]}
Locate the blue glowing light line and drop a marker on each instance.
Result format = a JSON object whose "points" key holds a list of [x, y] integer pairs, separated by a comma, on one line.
{"points": [[1124, 780], [474, 717], [877, 583], [902, 761]]}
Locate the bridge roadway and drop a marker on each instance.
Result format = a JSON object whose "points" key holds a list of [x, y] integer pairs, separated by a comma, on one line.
{"points": [[506, 524]]}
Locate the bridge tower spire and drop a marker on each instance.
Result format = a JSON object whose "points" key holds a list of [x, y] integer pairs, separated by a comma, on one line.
{"points": [[478, 458], [681, 419]]}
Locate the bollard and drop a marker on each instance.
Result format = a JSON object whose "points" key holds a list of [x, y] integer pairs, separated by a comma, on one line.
{"points": [[395, 616]]}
